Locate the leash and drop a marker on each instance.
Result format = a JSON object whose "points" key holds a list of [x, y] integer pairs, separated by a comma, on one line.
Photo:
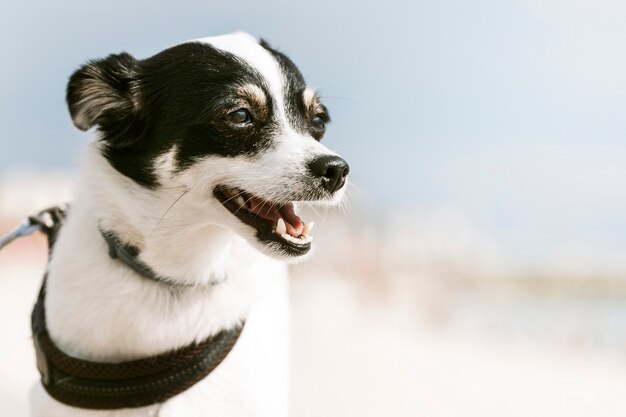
{"points": [[49, 221], [109, 386]]}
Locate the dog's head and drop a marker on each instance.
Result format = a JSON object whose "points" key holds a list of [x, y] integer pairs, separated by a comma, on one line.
{"points": [[228, 123]]}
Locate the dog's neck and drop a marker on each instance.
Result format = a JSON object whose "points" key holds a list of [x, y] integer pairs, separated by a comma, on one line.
{"points": [[180, 252], [157, 222], [100, 309]]}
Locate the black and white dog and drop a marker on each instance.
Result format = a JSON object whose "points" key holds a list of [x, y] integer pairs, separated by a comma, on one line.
{"points": [[204, 152]]}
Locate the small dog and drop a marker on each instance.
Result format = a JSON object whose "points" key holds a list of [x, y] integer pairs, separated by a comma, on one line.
{"points": [[204, 152]]}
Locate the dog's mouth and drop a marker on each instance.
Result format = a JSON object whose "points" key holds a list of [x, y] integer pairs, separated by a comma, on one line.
{"points": [[275, 223]]}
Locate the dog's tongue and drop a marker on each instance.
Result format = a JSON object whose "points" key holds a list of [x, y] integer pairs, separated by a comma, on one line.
{"points": [[273, 212]]}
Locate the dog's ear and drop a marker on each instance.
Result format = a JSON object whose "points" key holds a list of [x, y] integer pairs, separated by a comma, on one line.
{"points": [[104, 93]]}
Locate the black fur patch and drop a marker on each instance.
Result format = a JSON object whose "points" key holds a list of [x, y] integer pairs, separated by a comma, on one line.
{"points": [[178, 97], [188, 90], [297, 112]]}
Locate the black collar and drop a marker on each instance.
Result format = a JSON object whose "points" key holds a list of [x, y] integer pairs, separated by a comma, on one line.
{"points": [[129, 384], [135, 383]]}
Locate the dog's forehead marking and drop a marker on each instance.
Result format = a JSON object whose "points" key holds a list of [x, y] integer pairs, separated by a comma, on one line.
{"points": [[247, 48]]}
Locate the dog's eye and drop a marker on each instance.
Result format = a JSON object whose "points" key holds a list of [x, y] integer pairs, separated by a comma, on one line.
{"points": [[317, 122], [238, 117]]}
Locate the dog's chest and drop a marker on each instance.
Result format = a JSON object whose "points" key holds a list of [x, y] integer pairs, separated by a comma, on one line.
{"points": [[253, 379]]}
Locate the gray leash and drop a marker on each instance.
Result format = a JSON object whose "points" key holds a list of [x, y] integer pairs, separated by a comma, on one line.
{"points": [[44, 220]]}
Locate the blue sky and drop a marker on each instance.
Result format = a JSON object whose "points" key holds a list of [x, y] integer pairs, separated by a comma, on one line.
{"points": [[510, 111]]}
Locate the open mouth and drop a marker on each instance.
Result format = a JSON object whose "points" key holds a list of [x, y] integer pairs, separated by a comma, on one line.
{"points": [[275, 223]]}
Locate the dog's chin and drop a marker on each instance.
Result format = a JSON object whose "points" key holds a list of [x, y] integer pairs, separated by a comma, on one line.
{"points": [[276, 230], [278, 252]]}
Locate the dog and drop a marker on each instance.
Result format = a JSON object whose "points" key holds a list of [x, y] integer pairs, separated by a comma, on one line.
{"points": [[204, 153]]}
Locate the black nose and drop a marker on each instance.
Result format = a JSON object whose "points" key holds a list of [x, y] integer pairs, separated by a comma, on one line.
{"points": [[332, 169]]}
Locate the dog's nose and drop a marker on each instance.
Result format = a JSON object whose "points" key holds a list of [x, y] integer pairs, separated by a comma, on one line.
{"points": [[332, 169]]}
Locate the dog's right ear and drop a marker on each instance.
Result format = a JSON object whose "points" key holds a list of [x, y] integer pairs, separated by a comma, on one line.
{"points": [[105, 93]]}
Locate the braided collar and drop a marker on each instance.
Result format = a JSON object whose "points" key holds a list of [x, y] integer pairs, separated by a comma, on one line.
{"points": [[136, 383], [129, 384]]}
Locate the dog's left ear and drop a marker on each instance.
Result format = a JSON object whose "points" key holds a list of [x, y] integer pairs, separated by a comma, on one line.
{"points": [[104, 93]]}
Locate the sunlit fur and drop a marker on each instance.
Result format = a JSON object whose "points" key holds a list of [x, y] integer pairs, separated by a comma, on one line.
{"points": [[99, 309]]}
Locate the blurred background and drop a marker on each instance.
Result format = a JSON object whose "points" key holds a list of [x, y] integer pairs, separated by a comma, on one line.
{"points": [[480, 266]]}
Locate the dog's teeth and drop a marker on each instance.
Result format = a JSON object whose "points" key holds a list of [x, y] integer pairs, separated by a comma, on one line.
{"points": [[297, 240], [240, 201], [307, 228], [281, 228]]}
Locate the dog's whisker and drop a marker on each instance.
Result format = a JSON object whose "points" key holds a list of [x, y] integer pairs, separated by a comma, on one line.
{"points": [[314, 209], [262, 206], [244, 204], [173, 187], [339, 98], [240, 193], [167, 211], [342, 208], [353, 186]]}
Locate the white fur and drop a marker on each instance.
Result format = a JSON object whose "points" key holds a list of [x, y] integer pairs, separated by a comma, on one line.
{"points": [[99, 309]]}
